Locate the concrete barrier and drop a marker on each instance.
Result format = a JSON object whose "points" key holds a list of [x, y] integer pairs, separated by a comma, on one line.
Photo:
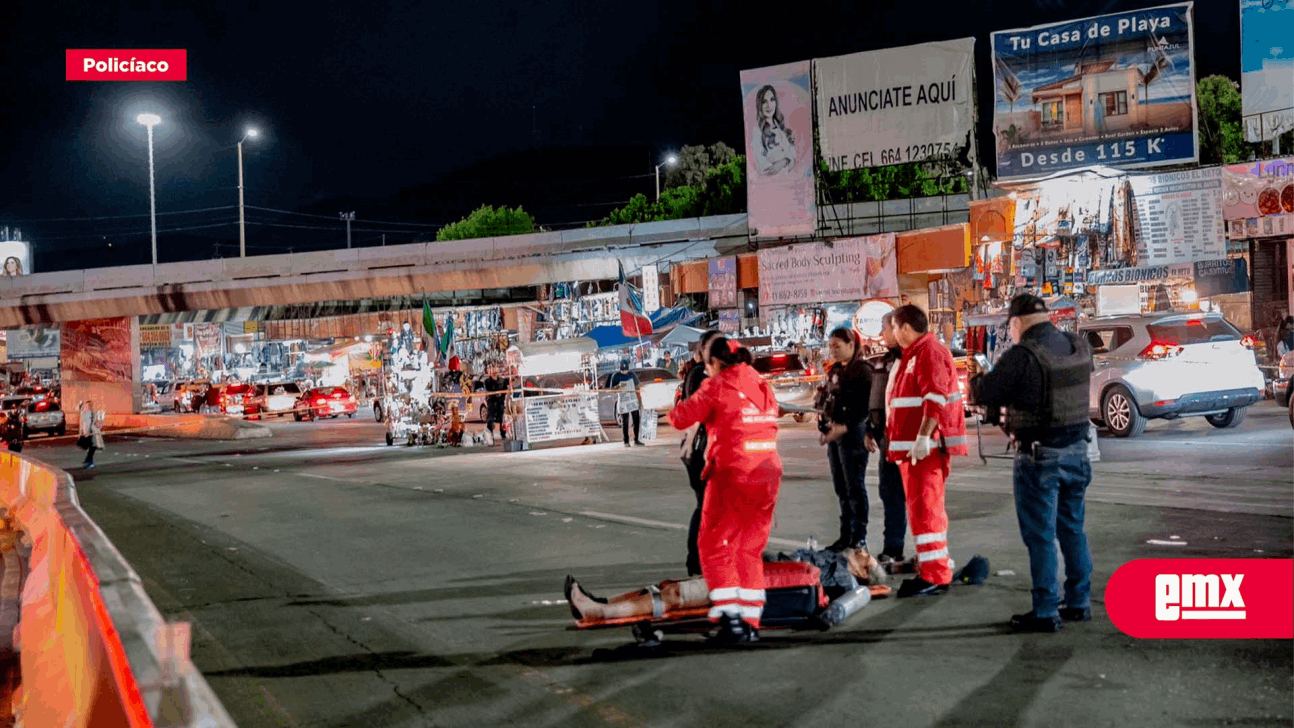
{"points": [[199, 427], [93, 648]]}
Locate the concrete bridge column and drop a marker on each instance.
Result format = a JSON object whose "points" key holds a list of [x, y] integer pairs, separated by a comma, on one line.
{"points": [[100, 361]]}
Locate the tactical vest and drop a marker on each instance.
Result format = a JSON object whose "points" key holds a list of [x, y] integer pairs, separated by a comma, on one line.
{"points": [[1066, 380]]}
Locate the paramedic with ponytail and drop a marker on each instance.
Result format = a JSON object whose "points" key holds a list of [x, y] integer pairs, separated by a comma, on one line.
{"points": [[927, 427], [743, 473]]}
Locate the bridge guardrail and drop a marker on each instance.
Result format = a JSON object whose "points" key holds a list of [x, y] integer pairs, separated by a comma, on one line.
{"points": [[93, 648]]}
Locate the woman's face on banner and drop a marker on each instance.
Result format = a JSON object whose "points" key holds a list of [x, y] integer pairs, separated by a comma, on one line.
{"points": [[768, 104]]}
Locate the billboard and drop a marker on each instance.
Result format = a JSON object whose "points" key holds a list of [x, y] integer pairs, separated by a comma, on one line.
{"points": [[1115, 90], [844, 270], [16, 257], [780, 197], [1267, 67], [33, 342], [98, 350], [895, 105]]}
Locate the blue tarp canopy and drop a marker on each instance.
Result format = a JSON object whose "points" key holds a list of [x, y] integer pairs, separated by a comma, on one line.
{"points": [[661, 321], [609, 337]]}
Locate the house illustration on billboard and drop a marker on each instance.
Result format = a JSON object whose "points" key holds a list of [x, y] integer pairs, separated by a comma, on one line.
{"points": [[1098, 98]]}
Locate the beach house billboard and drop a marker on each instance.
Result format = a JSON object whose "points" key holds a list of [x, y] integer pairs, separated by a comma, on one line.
{"points": [[1115, 90]]}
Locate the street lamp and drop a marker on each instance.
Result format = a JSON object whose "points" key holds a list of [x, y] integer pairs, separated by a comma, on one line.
{"points": [[242, 233], [671, 160], [150, 121]]}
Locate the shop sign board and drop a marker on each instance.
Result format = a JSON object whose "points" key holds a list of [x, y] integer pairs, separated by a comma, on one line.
{"points": [[1116, 90], [723, 282], [895, 105], [1289, 273], [34, 342], [847, 269], [868, 318], [1258, 197], [729, 320], [1266, 68], [562, 417], [1179, 216], [651, 289], [1215, 277], [1117, 276], [780, 197], [155, 336]]}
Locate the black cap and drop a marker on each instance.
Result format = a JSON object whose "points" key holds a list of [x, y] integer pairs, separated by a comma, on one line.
{"points": [[1026, 304]]}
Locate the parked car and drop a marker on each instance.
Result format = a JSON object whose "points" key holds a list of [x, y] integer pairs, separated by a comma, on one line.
{"points": [[166, 391], [324, 402], [45, 416], [276, 399], [1170, 365], [788, 376], [226, 399]]}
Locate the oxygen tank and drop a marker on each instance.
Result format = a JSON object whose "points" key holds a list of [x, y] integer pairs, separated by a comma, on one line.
{"points": [[846, 605]]}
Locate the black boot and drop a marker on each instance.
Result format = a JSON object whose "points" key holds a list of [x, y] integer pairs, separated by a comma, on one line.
{"points": [[733, 630]]}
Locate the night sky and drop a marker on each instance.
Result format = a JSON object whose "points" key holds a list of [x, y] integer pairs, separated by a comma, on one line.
{"points": [[413, 113]]}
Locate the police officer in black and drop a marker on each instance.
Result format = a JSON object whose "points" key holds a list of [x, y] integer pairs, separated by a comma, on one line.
{"points": [[1042, 382]]}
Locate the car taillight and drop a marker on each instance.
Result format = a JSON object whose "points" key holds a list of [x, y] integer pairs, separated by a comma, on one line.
{"points": [[320, 400], [1159, 350], [1248, 342]]}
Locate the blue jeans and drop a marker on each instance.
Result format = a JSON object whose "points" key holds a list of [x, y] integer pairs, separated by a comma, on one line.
{"points": [[894, 502], [1049, 492], [848, 459]]}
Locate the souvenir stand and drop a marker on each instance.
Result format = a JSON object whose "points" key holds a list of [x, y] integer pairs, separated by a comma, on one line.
{"points": [[557, 416], [989, 334]]}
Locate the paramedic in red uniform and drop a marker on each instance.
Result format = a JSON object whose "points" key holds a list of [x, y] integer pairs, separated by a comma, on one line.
{"points": [[926, 428], [744, 472]]}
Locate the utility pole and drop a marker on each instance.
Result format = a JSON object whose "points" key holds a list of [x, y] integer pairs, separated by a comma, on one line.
{"points": [[347, 216], [384, 240]]}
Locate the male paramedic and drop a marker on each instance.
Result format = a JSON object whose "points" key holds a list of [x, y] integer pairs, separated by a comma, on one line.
{"points": [[1043, 383], [927, 427]]}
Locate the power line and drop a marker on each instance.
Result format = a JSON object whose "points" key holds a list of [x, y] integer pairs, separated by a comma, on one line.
{"points": [[121, 217], [321, 227], [327, 217], [137, 232]]}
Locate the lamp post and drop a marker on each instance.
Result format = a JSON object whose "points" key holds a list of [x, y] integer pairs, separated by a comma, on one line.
{"points": [[150, 121], [347, 216], [670, 160], [242, 232]]}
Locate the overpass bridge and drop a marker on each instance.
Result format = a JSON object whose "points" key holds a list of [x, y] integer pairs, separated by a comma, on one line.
{"points": [[362, 273]]}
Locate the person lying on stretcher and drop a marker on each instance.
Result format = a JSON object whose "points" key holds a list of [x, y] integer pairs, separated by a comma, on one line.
{"points": [[841, 572]]}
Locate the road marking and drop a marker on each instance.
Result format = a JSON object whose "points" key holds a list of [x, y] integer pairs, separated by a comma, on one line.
{"points": [[329, 477]]}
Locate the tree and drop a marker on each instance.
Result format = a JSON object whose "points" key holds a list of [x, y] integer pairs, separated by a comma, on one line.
{"points": [[487, 222], [1222, 137], [722, 191], [695, 161]]}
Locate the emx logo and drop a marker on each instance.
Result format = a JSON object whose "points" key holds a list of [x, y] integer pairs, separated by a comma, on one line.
{"points": [[1203, 598]]}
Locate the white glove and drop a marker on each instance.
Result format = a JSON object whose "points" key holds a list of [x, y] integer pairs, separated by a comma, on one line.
{"points": [[920, 448]]}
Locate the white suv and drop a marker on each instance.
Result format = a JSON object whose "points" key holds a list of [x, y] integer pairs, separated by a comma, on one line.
{"points": [[1170, 365]]}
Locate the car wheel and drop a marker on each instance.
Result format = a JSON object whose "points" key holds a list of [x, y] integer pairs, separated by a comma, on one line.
{"points": [[1121, 413], [296, 416], [15, 446], [1229, 419], [62, 430], [377, 413], [1291, 408]]}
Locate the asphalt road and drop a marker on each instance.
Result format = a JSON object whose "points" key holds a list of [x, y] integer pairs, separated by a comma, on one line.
{"points": [[334, 581]]}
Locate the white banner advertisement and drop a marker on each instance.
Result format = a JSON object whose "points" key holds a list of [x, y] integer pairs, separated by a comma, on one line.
{"points": [[1179, 216], [651, 289], [562, 417], [1266, 68], [895, 105], [849, 269]]}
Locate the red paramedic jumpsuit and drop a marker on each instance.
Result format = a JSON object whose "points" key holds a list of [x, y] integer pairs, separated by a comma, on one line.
{"points": [[926, 385], [744, 472]]}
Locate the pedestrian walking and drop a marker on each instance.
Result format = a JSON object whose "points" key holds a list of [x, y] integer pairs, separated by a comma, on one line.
{"points": [[628, 402], [843, 426], [744, 473], [1043, 382], [89, 433], [693, 447], [927, 426], [890, 478]]}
